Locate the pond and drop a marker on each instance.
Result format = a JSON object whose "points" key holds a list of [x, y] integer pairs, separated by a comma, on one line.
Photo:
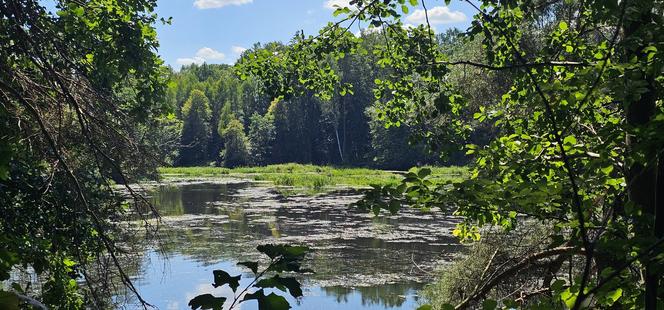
{"points": [[361, 261]]}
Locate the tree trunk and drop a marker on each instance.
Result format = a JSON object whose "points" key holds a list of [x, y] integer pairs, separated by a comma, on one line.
{"points": [[341, 154], [642, 177]]}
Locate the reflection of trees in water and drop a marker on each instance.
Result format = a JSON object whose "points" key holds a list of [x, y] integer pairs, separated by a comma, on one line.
{"points": [[168, 198], [173, 200], [388, 295], [211, 241]]}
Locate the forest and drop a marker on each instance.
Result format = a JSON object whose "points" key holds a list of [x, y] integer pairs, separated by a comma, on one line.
{"points": [[513, 164], [226, 121]]}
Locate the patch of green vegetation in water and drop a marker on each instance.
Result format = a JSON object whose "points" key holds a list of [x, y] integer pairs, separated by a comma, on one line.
{"points": [[310, 179]]}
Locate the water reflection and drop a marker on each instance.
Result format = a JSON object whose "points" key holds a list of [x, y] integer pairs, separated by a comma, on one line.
{"points": [[174, 199], [361, 261], [388, 295]]}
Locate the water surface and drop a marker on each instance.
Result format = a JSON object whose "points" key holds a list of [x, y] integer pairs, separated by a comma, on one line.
{"points": [[361, 261]]}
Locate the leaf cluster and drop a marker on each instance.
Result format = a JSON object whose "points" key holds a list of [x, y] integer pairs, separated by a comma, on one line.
{"points": [[283, 259]]}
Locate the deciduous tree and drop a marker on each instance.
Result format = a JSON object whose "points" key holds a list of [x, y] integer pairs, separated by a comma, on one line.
{"points": [[195, 130]]}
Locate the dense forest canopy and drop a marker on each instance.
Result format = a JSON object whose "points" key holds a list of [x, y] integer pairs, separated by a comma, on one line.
{"points": [[557, 106], [341, 130]]}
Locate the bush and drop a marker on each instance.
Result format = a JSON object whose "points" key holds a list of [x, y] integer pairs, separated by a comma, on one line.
{"points": [[495, 252]]}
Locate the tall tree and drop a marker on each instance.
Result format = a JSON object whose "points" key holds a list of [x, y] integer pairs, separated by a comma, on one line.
{"points": [[300, 135], [236, 145], [195, 130], [262, 137]]}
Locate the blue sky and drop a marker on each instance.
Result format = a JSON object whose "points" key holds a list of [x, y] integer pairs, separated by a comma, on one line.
{"points": [[216, 31]]}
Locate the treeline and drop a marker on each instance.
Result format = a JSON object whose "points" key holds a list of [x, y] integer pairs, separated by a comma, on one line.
{"points": [[226, 121]]}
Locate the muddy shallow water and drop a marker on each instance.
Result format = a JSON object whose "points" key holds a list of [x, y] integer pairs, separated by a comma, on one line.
{"points": [[361, 261]]}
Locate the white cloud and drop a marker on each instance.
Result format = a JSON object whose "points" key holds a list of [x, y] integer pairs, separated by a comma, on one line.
{"points": [[437, 16], [215, 4], [334, 4], [210, 54], [189, 61], [238, 49], [367, 31], [372, 29], [411, 26], [204, 54]]}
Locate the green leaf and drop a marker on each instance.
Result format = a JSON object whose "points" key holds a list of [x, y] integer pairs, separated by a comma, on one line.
{"points": [[607, 170], [425, 307], [447, 307], [570, 140], [4, 172], [251, 265], [17, 287], [294, 287], [615, 295], [394, 206], [222, 277], [424, 172], [563, 25], [568, 297], [8, 301], [207, 301], [510, 304], [339, 11], [489, 304], [274, 251], [269, 302], [558, 285], [78, 11]]}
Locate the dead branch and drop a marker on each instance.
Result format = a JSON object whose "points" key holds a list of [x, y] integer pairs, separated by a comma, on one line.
{"points": [[514, 269]]}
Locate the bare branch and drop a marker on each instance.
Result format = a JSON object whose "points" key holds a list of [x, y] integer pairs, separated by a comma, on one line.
{"points": [[514, 269], [516, 66]]}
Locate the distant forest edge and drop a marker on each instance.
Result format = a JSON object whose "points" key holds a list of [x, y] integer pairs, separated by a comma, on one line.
{"points": [[223, 120]]}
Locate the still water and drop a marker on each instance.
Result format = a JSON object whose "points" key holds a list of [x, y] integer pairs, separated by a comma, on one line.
{"points": [[361, 261]]}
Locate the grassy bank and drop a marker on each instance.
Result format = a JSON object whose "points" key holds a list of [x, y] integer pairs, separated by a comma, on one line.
{"points": [[310, 177]]}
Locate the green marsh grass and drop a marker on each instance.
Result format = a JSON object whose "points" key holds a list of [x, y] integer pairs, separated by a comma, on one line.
{"points": [[310, 177]]}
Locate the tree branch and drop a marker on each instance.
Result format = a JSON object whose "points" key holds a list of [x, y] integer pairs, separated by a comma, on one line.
{"points": [[516, 66], [485, 288]]}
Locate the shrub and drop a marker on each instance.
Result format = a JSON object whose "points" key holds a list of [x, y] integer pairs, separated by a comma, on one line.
{"points": [[487, 258]]}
